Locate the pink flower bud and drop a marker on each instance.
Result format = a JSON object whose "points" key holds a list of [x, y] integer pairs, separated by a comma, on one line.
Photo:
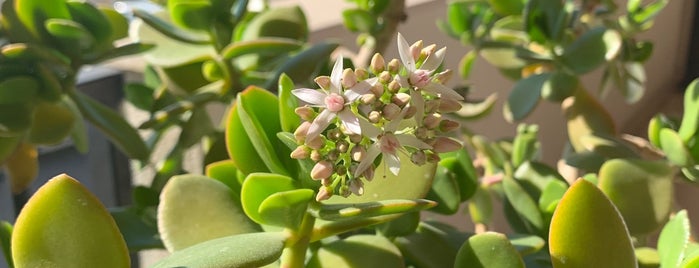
{"points": [[391, 111], [418, 158], [356, 186], [384, 77], [415, 49], [374, 116], [377, 64], [448, 106], [448, 125], [377, 90], [394, 86], [316, 156], [300, 152], [349, 79], [323, 82], [445, 144], [361, 73], [301, 131], [428, 50], [342, 146], [431, 121], [369, 173], [316, 143], [368, 98], [324, 193], [355, 138], [358, 153], [322, 170], [394, 66], [410, 112], [400, 99], [306, 113]]}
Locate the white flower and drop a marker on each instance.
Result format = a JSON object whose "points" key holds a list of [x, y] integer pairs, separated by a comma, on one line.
{"points": [[387, 142], [335, 102]]}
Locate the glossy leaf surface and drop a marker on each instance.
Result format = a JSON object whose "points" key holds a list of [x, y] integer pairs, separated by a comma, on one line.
{"points": [[259, 186], [488, 250], [195, 208], [358, 251], [64, 225], [246, 250], [575, 226], [590, 50], [370, 209], [673, 240]]}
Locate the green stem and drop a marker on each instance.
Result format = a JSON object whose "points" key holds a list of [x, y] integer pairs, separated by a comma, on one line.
{"points": [[294, 255]]}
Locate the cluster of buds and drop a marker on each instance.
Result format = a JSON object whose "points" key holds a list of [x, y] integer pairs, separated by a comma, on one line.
{"points": [[361, 117]]}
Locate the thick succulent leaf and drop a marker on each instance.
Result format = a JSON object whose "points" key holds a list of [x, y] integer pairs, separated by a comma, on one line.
{"points": [[412, 182], [358, 20], [5, 245], [524, 205], [428, 247], [68, 32], [226, 172], [647, 257], [690, 117], [585, 116], [534, 177], [559, 86], [691, 255], [120, 132], [480, 207], [501, 55], [32, 13], [673, 240], [138, 233], [287, 105], [358, 251], [478, 109], [591, 49], [488, 250], [240, 147], [466, 64], [525, 96], [401, 226], [268, 46], [117, 22], [550, 196], [526, 244], [674, 148], [19, 88], [63, 210], [194, 15], [174, 46], [445, 190], [575, 239], [642, 190], [525, 146], [195, 208], [303, 65], [286, 209], [607, 146], [259, 186], [286, 22], [332, 212], [245, 250]]}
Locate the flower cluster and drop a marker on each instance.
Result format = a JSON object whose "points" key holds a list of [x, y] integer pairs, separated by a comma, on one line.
{"points": [[360, 117]]}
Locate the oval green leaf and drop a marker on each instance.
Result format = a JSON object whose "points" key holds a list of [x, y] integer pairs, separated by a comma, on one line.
{"points": [[591, 49], [358, 251], [245, 250], [257, 187], [575, 238], [642, 190], [673, 240], [63, 210], [286, 209], [525, 96], [195, 209], [690, 117], [674, 148], [488, 250]]}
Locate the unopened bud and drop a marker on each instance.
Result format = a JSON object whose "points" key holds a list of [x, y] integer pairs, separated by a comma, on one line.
{"points": [[433, 158], [323, 82], [391, 111], [324, 193], [400, 99], [300, 152], [445, 144], [448, 125], [355, 138], [410, 112], [377, 64], [369, 173], [377, 90], [394, 86], [361, 73], [356, 186], [333, 155], [342, 146], [448, 105], [444, 76], [415, 49], [428, 50], [368, 98], [306, 113], [358, 153], [384, 77], [349, 79], [431, 121], [393, 66], [374, 116], [431, 106], [322, 170], [326, 182], [422, 133], [316, 156], [316, 143], [341, 170], [419, 158], [301, 131], [334, 134]]}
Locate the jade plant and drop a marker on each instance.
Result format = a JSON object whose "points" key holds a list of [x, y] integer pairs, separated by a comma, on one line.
{"points": [[337, 171]]}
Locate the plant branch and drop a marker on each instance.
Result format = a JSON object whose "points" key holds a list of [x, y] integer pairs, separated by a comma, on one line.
{"points": [[294, 254]]}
